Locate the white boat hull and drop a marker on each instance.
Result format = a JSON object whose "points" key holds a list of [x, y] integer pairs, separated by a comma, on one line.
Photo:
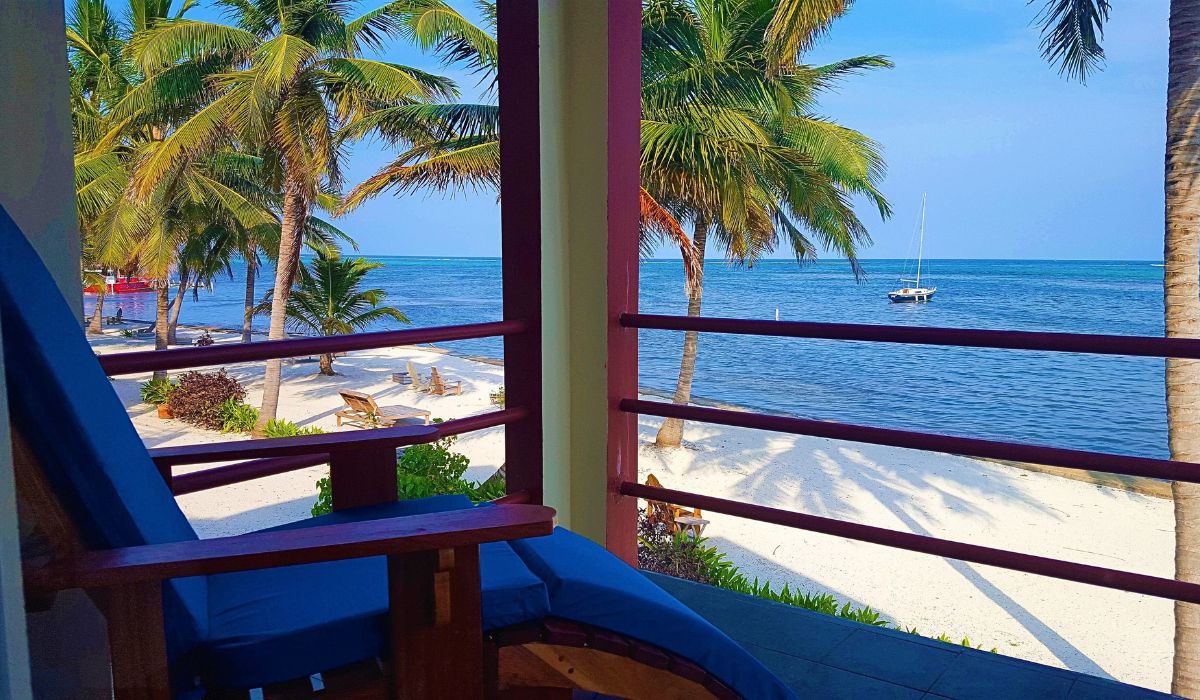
{"points": [[919, 294]]}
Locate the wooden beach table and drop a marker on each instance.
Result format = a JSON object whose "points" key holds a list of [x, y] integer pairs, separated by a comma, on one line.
{"points": [[361, 409]]}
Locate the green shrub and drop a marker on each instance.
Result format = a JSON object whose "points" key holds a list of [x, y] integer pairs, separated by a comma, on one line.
{"points": [[690, 557], [280, 428], [426, 470], [157, 391], [199, 396], [237, 417]]}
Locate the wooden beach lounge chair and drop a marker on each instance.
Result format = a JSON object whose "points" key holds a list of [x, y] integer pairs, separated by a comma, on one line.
{"points": [[430, 585], [440, 387], [361, 409], [419, 383], [675, 517]]}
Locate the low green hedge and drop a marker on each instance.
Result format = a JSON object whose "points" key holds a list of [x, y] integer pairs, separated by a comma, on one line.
{"points": [[692, 558]]}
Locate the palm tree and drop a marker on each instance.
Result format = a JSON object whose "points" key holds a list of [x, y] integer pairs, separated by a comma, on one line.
{"points": [[730, 143], [292, 74], [456, 146], [328, 299], [726, 145]]}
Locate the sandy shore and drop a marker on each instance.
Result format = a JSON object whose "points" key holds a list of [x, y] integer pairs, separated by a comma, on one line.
{"points": [[1084, 628]]}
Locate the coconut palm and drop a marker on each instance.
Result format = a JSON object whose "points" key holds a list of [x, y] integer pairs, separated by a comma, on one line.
{"points": [[293, 74], [731, 143], [328, 299], [451, 147], [727, 145]]}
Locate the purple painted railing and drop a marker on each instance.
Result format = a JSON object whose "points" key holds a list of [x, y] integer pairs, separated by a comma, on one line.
{"points": [[1012, 340]]}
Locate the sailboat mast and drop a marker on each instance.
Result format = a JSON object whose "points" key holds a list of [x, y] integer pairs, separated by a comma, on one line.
{"points": [[921, 244]]}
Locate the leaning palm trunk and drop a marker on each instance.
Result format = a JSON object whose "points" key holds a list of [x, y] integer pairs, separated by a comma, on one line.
{"points": [[161, 304], [670, 434], [96, 324], [248, 312], [295, 213], [176, 307], [327, 364], [1181, 297]]}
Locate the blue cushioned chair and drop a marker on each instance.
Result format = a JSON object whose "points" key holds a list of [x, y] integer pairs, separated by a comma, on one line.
{"points": [[556, 611]]}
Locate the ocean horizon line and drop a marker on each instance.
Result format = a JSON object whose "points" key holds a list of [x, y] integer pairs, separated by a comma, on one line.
{"points": [[785, 260]]}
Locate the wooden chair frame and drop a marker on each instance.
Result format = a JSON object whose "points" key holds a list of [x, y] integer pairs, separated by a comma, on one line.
{"points": [[433, 581]]}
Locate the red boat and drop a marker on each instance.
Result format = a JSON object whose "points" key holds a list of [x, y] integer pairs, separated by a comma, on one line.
{"points": [[122, 285]]}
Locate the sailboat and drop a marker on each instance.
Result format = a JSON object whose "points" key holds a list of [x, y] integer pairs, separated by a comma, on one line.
{"points": [[915, 293]]}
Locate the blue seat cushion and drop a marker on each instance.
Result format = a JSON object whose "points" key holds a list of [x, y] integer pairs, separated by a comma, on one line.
{"points": [[271, 625], [588, 584]]}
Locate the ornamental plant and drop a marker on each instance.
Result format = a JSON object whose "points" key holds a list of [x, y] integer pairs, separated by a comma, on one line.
{"points": [[200, 395], [157, 391], [237, 417]]}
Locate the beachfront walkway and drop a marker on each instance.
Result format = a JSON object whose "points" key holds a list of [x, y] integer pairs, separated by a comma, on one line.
{"points": [[826, 657]]}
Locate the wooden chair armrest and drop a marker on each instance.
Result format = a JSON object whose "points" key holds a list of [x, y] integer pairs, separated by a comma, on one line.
{"points": [[261, 550]]}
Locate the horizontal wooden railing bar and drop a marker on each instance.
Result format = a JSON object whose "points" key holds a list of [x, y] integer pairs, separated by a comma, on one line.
{"points": [[262, 550], [229, 353], [328, 443], [516, 497], [481, 421], [243, 471], [1132, 345], [270, 466], [933, 442], [979, 554]]}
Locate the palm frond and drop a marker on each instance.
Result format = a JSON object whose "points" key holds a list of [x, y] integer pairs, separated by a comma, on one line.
{"points": [[1071, 34]]}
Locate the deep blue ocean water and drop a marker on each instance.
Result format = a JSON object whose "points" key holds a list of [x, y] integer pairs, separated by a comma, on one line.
{"points": [[1081, 401]]}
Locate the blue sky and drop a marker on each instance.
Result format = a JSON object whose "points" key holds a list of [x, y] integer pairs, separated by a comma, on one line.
{"points": [[1017, 162]]}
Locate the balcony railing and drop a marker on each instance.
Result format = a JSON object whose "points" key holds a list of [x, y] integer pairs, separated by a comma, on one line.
{"points": [[972, 447], [362, 462]]}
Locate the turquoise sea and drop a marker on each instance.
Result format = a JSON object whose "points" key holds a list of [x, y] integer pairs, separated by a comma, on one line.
{"points": [[1080, 401]]}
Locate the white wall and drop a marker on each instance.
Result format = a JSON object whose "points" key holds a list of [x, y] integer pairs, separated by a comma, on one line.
{"points": [[37, 190]]}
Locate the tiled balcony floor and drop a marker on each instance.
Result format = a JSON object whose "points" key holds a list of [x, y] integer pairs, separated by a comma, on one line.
{"points": [[821, 656]]}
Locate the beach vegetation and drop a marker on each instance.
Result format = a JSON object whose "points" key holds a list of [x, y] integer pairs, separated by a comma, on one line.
{"points": [[199, 397], [157, 391], [237, 416], [328, 299], [687, 556], [431, 469], [281, 428]]}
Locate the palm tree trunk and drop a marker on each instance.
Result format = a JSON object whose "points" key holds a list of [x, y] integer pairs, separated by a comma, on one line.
{"points": [[1181, 297], [176, 306], [248, 310], [327, 364], [162, 295], [670, 434], [295, 212], [96, 324]]}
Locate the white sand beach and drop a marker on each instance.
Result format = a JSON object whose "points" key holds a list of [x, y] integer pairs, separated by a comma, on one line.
{"points": [[1084, 628]]}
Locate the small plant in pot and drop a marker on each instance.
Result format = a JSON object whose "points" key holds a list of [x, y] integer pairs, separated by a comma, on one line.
{"points": [[157, 392]]}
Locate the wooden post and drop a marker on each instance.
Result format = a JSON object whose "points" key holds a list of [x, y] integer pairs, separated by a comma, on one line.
{"points": [[521, 239], [436, 624], [624, 121], [137, 642], [363, 477]]}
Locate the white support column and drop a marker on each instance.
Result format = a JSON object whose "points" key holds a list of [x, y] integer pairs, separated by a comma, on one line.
{"points": [[574, 118]]}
